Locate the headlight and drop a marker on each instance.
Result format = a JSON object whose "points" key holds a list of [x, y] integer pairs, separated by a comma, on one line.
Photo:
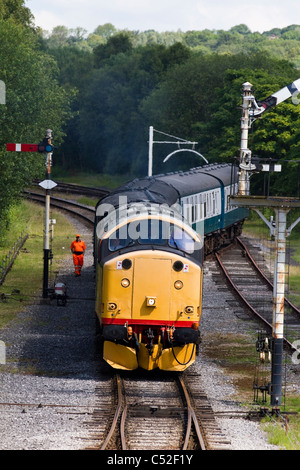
{"points": [[178, 285], [125, 282]]}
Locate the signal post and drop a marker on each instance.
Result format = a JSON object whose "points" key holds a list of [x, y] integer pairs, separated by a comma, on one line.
{"points": [[251, 110], [43, 147], [47, 185]]}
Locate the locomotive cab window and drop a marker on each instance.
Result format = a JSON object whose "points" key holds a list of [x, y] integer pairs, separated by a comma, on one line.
{"points": [[181, 240], [118, 240], [152, 232]]}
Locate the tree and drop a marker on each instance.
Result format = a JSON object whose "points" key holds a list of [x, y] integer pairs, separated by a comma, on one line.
{"points": [[105, 31], [119, 43], [34, 102], [241, 29], [113, 131], [200, 99], [15, 10]]}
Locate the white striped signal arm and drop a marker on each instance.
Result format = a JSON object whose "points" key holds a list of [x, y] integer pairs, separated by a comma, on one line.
{"points": [[276, 98]]}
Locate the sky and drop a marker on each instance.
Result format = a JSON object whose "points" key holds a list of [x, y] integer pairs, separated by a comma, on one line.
{"points": [[165, 15]]}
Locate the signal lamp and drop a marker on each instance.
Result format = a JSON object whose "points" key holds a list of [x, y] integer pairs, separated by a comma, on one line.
{"points": [[195, 326], [125, 282], [178, 285], [45, 146], [151, 301]]}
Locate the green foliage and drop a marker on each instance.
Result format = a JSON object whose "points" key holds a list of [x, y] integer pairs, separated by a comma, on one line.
{"points": [[282, 43], [119, 43], [100, 92], [190, 87], [34, 102], [16, 11]]}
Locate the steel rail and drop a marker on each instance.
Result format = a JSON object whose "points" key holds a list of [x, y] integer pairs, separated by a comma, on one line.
{"points": [[62, 203], [191, 417], [122, 427], [248, 305], [58, 199], [79, 189], [116, 415], [262, 274]]}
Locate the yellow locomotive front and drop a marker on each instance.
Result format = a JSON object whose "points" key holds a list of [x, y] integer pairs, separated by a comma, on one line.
{"points": [[149, 279]]}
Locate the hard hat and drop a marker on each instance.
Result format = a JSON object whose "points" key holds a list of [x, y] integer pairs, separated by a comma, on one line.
{"points": [[77, 236]]}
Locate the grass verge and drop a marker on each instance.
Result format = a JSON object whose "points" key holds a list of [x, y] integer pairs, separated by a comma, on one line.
{"points": [[23, 284], [91, 179], [237, 355], [255, 227]]}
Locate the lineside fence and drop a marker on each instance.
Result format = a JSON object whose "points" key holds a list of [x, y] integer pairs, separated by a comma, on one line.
{"points": [[9, 259]]}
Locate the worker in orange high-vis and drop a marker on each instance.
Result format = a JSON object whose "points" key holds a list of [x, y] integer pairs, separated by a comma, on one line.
{"points": [[78, 248]]}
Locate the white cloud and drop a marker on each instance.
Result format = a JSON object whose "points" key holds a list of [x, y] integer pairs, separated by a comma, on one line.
{"points": [[165, 15], [48, 20]]}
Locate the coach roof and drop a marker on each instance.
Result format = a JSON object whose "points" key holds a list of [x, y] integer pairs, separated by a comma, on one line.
{"points": [[168, 188]]}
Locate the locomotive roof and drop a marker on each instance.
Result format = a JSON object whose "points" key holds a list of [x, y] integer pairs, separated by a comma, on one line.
{"points": [[167, 188]]}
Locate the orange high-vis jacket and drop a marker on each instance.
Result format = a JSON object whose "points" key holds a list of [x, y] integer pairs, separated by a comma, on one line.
{"points": [[78, 247]]}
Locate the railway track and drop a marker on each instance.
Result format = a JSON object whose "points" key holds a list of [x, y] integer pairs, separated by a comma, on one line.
{"points": [[71, 188], [254, 289], [165, 412], [170, 413], [84, 212], [146, 413]]}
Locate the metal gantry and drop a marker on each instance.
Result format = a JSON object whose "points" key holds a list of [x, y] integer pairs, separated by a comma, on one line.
{"points": [[251, 110], [179, 141]]}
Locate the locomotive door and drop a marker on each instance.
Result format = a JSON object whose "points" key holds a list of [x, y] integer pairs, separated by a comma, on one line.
{"points": [[151, 289]]}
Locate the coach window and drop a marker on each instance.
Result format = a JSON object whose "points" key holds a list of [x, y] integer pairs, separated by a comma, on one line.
{"points": [[214, 202], [193, 210], [200, 208], [197, 198]]}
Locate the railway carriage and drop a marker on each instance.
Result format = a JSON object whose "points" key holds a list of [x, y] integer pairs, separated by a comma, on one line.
{"points": [[150, 239]]}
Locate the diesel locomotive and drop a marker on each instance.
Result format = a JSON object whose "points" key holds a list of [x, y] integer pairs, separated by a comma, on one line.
{"points": [[151, 236]]}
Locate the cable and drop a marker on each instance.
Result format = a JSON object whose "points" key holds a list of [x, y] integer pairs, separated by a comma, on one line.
{"points": [[173, 136], [183, 363]]}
